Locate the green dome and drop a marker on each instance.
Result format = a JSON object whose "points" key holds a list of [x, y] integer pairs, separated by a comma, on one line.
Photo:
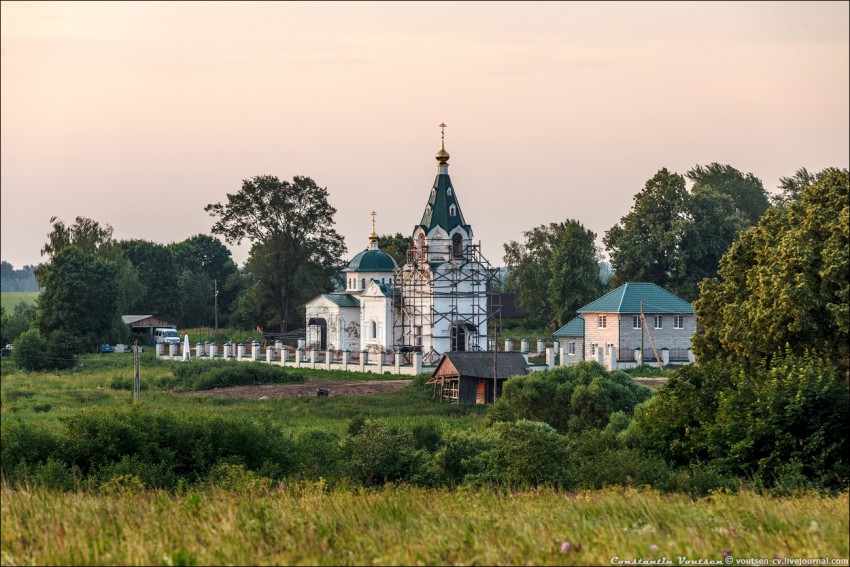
{"points": [[372, 261]]}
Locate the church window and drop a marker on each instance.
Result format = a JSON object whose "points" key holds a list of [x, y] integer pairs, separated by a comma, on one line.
{"points": [[453, 210], [457, 245], [418, 336], [374, 330], [382, 280], [449, 191], [421, 245], [362, 283]]}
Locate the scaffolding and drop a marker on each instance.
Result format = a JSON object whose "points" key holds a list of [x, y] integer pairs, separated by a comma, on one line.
{"points": [[446, 305]]}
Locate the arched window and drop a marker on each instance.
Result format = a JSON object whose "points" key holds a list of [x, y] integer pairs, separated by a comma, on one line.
{"points": [[457, 245], [453, 211], [362, 283], [421, 245], [449, 191], [374, 330], [382, 281]]}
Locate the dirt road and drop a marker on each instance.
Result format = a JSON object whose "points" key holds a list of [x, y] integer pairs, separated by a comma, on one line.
{"points": [[306, 390]]}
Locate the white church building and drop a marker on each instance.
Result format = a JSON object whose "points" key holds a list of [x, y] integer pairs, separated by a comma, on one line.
{"points": [[435, 302]]}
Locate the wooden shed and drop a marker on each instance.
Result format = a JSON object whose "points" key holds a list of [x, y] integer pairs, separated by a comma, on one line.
{"points": [[146, 324], [467, 377]]}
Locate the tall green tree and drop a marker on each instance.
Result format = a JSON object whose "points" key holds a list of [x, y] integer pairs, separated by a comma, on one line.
{"points": [[790, 188], [644, 245], [554, 272], [295, 249], [574, 266], [675, 238], [746, 191], [784, 282], [204, 264], [79, 297], [158, 273], [395, 245]]}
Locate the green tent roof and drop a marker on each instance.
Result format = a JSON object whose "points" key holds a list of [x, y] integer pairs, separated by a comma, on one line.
{"points": [[343, 299], [437, 212], [372, 261], [574, 328], [627, 299]]}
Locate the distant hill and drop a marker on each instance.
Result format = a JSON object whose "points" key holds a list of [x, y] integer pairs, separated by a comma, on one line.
{"points": [[17, 280]]}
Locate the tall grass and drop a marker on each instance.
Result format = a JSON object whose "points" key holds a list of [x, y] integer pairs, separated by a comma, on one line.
{"points": [[306, 524]]}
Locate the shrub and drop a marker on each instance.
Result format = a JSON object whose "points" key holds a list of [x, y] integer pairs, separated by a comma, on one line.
{"points": [[317, 454], [378, 454], [569, 398], [529, 453], [465, 455], [205, 375], [30, 351]]}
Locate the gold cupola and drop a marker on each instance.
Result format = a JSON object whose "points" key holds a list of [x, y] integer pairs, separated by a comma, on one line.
{"points": [[442, 155]]}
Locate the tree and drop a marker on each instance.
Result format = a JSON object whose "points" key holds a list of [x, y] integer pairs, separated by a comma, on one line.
{"points": [[295, 247], [783, 283], [644, 245], [746, 191], [86, 234], [554, 272], [395, 245], [17, 280], [158, 273], [79, 297], [20, 320], [675, 238], [574, 266], [792, 187], [204, 263]]}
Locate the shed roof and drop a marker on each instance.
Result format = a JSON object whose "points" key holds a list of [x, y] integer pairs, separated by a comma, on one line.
{"points": [[574, 328], [480, 364], [146, 321], [627, 299]]}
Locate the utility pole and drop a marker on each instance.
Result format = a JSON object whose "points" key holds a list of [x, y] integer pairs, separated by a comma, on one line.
{"points": [[215, 335], [641, 333], [137, 378]]}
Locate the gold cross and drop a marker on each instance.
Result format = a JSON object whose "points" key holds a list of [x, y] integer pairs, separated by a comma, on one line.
{"points": [[373, 221], [443, 135]]}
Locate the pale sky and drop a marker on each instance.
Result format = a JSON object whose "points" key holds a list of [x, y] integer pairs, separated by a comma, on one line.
{"points": [[138, 115]]}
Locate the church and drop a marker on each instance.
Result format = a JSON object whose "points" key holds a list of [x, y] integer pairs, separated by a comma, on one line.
{"points": [[436, 302]]}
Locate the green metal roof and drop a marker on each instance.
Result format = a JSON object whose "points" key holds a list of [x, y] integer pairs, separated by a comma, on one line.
{"points": [[437, 210], [627, 298], [343, 299], [386, 289], [574, 328], [372, 261]]}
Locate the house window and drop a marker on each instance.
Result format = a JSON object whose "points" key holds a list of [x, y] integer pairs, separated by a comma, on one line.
{"points": [[571, 348], [592, 349], [659, 324], [678, 321], [603, 321], [636, 322]]}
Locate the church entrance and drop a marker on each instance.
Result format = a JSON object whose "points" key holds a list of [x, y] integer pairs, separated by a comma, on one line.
{"points": [[461, 333], [321, 327]]}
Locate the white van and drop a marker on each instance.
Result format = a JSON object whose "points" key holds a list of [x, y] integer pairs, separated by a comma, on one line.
{"points": [[166, 336]]}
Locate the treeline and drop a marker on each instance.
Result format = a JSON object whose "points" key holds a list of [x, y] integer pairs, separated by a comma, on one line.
{"points": [[672, 236], [12, 279]]}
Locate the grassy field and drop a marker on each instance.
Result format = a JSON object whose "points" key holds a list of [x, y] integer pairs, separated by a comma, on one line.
{"points": [[8, 299], [305, 524], [45, 397]]}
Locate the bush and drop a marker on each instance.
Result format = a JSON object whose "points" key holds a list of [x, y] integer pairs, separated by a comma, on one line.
{"points": [[529, 453], [781, 425], [465, 455], [378, 454], [30, 351], [317, 454], [569, 398], [206, 375]]}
